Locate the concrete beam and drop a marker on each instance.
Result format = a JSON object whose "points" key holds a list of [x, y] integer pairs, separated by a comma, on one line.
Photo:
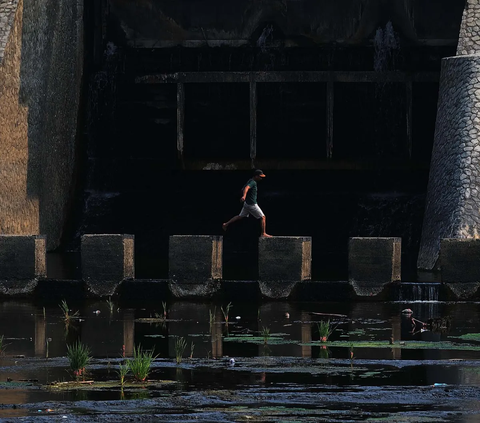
{"points": [[283, 261], [195, 264], [287, 76], [22, 263], [106, 261], [459, 261], [372, 263], [304, 164]]}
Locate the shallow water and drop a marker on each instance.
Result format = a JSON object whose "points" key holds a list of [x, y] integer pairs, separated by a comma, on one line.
{"points": [[358, 375]]}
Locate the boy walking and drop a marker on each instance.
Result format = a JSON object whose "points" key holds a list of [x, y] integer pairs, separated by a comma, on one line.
{"points": [[250, 206]]}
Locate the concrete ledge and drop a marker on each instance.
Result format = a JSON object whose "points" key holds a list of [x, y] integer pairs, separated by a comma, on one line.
{"points": [[22, 263], [459, 261], [107, 260], [373, 263], [195, 265], [283, 261]]}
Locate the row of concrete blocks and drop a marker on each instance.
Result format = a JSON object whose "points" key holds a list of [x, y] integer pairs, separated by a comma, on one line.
{"points": [[195, 263]]}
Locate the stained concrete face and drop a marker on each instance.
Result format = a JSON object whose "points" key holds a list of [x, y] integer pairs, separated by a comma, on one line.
{"points": [[41, 66], [22, 262], [283, 261], [106, 261], [195, 264], [372, 263], [460, 260]]}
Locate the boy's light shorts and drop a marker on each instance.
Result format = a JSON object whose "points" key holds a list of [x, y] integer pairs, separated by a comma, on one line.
{"points": [[253, 210]]}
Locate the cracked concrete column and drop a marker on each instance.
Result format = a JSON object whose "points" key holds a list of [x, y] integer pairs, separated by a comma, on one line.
{"points": [[282, 262], [22, 262], [195, 265], [373, 263], [460, 270], [106, 261]]}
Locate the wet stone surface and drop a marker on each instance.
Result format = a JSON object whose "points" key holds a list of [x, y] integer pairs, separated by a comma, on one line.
{"points": [[268, 364]]}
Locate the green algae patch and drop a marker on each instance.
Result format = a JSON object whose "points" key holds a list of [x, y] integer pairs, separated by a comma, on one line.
{"points": [[407, 345], [17, 385], [91, 385], [468, 337], [273, 339]]}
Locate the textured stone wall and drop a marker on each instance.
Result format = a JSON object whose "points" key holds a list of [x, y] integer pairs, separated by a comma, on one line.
{"points": [[453, 199], [40, 81], [469, 37]]}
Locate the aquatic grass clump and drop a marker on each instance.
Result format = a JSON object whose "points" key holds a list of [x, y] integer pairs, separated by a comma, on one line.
{"points": [[66, 311], [192, 347], [226, 311], [180, 345], [122, 372], [111, 305], [79, 356], [265, 332], [141, 363], [324, 330]]}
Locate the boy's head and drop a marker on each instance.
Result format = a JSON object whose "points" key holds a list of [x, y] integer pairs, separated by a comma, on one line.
{"points": [[258, 175]]}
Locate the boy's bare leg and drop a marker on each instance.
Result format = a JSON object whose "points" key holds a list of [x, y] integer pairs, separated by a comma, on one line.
{"points": [[263, 225], [232, 220]]}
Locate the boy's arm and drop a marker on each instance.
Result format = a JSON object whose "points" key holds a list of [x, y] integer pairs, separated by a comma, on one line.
{"points": [[245, 190]]}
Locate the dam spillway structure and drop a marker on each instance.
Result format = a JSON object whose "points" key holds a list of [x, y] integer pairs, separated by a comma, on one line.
{"points": [[147, 118]]}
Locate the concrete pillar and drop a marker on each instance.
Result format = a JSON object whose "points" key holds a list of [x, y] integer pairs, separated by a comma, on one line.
{"points": [[195, 265], [22, 262], [129, 332], [372, 263], [282, 262], [106, 261], [40, 337], [459, 259]]}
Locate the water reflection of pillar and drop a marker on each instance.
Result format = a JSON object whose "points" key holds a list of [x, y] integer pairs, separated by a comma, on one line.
{"points": [[217, 336], [306, 335], [40, 325], [129, 332], [396, 335]]}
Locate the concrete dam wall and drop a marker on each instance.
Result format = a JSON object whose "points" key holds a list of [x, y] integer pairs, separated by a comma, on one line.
{"points": [[336, 101]]}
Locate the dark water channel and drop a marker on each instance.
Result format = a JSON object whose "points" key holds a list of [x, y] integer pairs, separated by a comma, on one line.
{"points": [[372, 368]]}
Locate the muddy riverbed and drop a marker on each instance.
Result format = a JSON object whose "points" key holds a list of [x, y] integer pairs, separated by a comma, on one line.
{"points": [[268, 364]]}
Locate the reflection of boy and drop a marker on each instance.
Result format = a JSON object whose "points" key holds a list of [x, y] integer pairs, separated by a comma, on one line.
{"points": [[250, 206]]}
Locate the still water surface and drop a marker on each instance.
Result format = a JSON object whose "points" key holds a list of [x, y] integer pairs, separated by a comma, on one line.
{"points": [[377, 363]]}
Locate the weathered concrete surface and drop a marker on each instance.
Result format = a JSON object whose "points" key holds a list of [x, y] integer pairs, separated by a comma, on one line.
{"points": [[107, 260], [40, 80], [373, 263], [195, 265], [22, 263], [460, 260], [469, 37], [283, 261], [453, 198]]}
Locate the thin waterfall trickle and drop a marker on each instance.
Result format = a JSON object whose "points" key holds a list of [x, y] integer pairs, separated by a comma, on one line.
{"points": [[386, 45], [418, 292]]}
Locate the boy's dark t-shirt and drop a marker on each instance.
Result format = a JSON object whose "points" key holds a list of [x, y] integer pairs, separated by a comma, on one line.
{"points": [[251, 197]]}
